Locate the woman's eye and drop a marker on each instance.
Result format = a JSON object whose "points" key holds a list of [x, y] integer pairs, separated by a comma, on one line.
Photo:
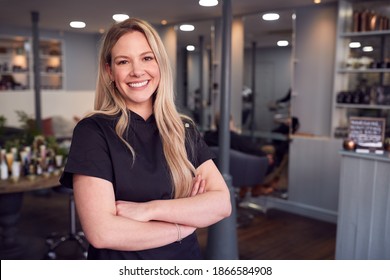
{"points": [[148, 58], [121, 62]]}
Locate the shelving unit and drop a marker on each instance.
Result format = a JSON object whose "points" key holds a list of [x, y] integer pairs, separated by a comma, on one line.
{"points": [[362, 73], [16, 64], [51, 64]]}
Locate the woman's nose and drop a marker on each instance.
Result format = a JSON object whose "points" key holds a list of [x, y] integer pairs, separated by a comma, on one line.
{"points": [[136, 69]]}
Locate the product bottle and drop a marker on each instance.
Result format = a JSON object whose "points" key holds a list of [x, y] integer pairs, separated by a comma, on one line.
{"points": [[373, 21], [364, 20], [3, 170], [356, 21]]}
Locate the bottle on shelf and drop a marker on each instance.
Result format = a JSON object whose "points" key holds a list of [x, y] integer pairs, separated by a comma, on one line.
{"points": [[4, 171]]}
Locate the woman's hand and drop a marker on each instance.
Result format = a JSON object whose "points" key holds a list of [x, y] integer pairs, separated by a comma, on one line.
{"points": [[198, 186], [132, 210]]}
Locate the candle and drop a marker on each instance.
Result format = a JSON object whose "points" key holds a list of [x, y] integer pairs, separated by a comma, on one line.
{"points": [[349, 145]]}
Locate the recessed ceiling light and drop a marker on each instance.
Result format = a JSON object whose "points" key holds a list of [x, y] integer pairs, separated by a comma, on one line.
{"points": [[77, 24], [190, 48], [187, 27], [282, 43], [368, 49], [317, 1], [164, 22], [354, 45], [120, 17], [271, 16], [208, 3]]}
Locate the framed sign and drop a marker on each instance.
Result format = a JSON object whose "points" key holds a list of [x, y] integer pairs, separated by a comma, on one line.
{"points": [[367, 133]]}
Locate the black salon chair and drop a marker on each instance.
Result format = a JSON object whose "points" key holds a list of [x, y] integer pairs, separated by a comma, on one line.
{"points": [[55, 240], [246, 171]]}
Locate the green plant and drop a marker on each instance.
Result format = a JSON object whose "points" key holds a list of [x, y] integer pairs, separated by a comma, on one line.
{"points": [[3, 121], [28, 124], [12, 143]]}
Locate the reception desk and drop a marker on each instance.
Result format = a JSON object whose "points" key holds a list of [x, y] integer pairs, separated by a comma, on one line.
{"points": [[363, 226]]}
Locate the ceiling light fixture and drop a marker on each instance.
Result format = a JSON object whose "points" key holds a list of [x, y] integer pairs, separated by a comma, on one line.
{"points": [[208, 3], [271, 16], [77, 24], [190, 48], [187, 27], [120, 17], [368, 49], [164, 22], [354, 45], [282, 43], [317, 1]]}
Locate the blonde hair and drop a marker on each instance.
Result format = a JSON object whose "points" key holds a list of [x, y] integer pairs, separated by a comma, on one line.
{"points": [[109, 101]]}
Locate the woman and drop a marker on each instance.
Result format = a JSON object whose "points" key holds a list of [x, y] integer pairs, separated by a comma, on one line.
{"points": [[142, 176]]}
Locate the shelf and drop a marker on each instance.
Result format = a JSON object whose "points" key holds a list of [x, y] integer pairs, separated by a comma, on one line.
{"points": [[14, 73], [357, 71], [363, 106], [366, 33], [353, 72], [51, 73], [48, 56], [16, 59]]}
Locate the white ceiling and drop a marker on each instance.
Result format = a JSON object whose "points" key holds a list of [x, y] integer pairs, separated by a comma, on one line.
{"points": [[56, 15]]}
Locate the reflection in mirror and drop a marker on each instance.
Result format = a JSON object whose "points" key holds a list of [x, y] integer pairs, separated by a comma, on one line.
{"points": [[193, 72], [267, 91]]}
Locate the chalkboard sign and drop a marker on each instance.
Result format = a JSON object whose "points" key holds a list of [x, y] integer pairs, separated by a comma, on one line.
{"points": [[367, 132]]}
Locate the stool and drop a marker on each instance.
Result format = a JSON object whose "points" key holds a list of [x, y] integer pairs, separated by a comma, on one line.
{"points": [[53, 241]]}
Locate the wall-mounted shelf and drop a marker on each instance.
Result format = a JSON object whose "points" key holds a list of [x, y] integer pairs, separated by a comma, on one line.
{"points": [[362, 68], [16, 71]]}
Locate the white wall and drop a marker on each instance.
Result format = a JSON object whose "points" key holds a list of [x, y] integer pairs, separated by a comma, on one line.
{"points": [[314, 66], [54, 103], [273, 79]]}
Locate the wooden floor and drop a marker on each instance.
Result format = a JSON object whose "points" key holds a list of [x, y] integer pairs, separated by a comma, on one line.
{"points": [[284, 236], [275, 236]]}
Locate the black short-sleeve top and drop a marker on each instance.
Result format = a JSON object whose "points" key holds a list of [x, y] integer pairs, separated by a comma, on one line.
{"points": [[97, 151]]}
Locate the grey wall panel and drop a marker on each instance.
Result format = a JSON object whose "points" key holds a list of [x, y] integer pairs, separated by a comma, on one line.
{"points": [[364, 207]]}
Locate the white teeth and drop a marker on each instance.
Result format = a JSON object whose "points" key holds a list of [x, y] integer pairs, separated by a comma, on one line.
{"points": [[140, 84]]}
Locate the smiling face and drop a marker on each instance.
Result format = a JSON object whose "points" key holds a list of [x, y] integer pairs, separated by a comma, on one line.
{"points": [[135, 71]]}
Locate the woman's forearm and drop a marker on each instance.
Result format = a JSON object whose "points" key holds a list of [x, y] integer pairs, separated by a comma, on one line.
{"points": [[104, 228], [198, 211], [119, 233], [209, 205]]}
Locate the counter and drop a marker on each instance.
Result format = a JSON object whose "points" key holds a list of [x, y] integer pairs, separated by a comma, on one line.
{"points": [[363, 225]]}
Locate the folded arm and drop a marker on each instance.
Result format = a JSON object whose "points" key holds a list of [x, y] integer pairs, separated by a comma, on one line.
{"points": [[138, 226], [201, 210], [95, 202]]}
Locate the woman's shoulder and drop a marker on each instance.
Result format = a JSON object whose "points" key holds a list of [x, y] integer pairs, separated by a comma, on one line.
{"points": [[97, 120], [188, 122]]}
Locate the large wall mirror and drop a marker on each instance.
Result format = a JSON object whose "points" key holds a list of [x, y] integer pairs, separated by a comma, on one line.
{"points": [[267, 80], [267, 90]]}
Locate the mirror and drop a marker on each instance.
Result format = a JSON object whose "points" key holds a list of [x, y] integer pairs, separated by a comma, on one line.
{"points": [[267, 79], [196, 100], [267, 91]]}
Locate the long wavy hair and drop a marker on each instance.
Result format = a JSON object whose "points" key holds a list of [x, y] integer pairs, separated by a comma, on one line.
{"points": [[109, 101]]}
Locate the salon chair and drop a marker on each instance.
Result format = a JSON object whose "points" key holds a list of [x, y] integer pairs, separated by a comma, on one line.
{"points": [[246, 171], [55, 240]]}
